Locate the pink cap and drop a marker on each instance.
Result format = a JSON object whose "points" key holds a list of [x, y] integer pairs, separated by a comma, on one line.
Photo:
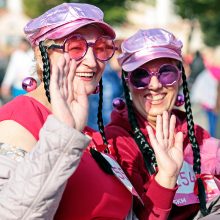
{"points": [[64, 19], [147, 45]]}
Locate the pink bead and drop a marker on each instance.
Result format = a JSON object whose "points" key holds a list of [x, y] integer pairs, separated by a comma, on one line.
{"points": [[118, 103], [179, 100], [29, 84]]}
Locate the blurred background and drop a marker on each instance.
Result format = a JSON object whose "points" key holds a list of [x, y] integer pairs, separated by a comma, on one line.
{"points": [[195, 22]]}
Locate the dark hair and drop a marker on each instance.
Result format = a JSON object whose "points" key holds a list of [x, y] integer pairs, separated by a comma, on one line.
{"points": [[147, 151], [99, 116], [46, 69]]}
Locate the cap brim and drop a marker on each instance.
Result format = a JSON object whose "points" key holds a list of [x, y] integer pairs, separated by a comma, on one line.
{"points": [[66, 29], [141, 57]]}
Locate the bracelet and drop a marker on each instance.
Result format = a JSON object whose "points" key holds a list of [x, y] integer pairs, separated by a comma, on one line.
{"points": [[12, 152]]}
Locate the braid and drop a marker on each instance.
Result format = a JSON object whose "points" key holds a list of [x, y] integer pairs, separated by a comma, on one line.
{"points": [[147, 151], [99, 115], [46, 69], [195, 146]]}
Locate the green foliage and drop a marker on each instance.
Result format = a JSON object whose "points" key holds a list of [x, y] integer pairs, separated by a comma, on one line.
{"points": [[207, 13], [115, 11]]}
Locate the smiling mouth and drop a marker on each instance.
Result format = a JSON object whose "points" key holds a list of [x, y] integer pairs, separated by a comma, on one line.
{"points": [[85, 75], [155, 98]]}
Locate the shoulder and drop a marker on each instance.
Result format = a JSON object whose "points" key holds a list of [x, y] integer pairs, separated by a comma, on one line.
{"points": [[27, 112], [21, 106]]}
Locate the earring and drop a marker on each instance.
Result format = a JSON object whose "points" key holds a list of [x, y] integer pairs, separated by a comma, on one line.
{"points": [[96, 90], [29, 84], [179, 100], [118, 103]]}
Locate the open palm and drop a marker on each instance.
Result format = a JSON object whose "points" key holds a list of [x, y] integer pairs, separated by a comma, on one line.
{"points": [[68, 105], [168, 148]]}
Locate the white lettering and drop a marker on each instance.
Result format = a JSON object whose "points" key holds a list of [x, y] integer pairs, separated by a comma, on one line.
{"points": [[179, 201]]}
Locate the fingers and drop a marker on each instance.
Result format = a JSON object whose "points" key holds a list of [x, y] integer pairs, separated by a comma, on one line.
{"points": [[159, 129], [162, 129], [165, 126], [59, 76], [66, 69], [172, 130], [54, 81], [54, 78], [165, 129], [179, 141], [70, 78]]}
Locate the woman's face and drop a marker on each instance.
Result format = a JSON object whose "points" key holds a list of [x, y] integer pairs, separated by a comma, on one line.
{"points": [[156, 98], [88, 69]]}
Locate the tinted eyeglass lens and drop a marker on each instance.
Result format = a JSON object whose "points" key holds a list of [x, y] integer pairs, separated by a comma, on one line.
{"points": [[76, 47], [140, 78], [104, 48], [168, 74]]}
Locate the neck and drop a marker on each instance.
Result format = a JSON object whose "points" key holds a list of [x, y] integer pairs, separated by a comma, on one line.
{"points": [[152, 121], [40, 95]]}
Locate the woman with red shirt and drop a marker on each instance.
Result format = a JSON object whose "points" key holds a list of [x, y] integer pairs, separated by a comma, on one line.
{"points": [[72, 45], [171, 162]]}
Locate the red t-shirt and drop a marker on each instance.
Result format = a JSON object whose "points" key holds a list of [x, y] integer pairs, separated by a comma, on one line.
{"points": [[27, 112], [90, 192]]}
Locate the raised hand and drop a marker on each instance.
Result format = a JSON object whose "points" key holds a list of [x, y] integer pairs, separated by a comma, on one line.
{"points": [[68, 105], [168, 148]]}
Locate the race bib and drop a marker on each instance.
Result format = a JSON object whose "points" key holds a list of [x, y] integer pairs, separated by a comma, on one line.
{"points": [[121, 176], [185, 194]]}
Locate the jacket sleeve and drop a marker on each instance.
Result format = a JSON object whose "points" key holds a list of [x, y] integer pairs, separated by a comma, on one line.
{"points": [[32, 188]]}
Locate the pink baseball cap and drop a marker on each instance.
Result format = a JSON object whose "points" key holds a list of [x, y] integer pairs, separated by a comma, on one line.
{"points": [[147, 45], [64, 19]]}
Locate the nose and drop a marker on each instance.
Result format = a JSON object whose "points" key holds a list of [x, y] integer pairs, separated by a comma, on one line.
{"points": [[154, 83], [90, 59]]}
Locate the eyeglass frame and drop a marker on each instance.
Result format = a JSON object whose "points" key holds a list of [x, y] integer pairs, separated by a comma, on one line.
{"points": [[88, 44], [151, 74]]}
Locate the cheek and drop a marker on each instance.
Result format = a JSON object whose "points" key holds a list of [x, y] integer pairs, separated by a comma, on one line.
{"points": [[172, 94], [137, 98]]}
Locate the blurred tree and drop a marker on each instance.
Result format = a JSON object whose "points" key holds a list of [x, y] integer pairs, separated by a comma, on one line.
{"points": [[115, 11], [207, 13]]}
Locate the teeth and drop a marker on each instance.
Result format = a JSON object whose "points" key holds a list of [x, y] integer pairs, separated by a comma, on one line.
{"points": [[155, 97], [85, 74]]}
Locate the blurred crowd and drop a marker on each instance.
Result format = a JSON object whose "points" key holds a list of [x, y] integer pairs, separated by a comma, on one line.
{"points": [[204, 84], [14, 67]]}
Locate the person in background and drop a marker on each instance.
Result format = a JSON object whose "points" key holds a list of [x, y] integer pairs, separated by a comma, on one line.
{"points": [[172, 163], [21, 65], [3, 66], [113, 89], [72, 45], [196, 67], [204, 92]]}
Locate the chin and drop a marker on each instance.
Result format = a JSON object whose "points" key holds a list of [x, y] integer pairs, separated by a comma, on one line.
{"points": [[157, 111]]}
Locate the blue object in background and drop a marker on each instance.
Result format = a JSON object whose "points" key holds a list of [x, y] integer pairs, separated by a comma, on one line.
{"points": [[112, 88]]}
